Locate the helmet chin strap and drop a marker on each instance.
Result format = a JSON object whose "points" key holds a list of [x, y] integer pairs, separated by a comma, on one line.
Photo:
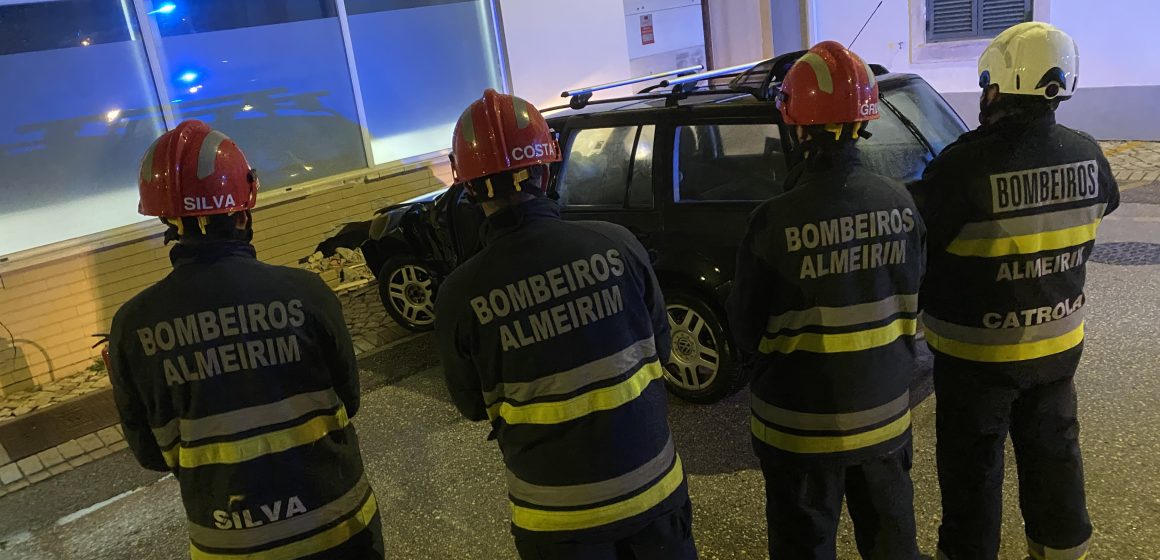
{"points": [[498, 186], [177, 229]]}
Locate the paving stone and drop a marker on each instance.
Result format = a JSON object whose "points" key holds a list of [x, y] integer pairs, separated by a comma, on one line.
{"points": [[82, 460], [90, 443], [50, 457], [10, 473], [18, 485], [99, 453], [39, 477], [110, 435], [70, 449], [30, 465], [59, 469], [119, 446]]}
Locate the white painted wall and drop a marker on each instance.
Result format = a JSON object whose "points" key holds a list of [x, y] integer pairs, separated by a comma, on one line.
{"points": [[554, 45], [1116, 40], [741, 31], [677, 24], [678, 35]]}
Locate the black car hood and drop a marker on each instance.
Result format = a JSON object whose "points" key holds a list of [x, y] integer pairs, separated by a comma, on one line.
{"points": [[428, 199]]}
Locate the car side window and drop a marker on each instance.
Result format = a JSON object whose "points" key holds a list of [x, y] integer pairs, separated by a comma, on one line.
{"points": [[892, 150], [597, 167], [728, 162]]}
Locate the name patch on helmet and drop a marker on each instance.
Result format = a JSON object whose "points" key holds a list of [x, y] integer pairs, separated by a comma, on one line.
{"points": [[868, 109], [215, 202], [533, 151]]}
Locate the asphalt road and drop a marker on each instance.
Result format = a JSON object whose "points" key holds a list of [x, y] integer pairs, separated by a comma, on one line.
{"points": [[441, 489]]}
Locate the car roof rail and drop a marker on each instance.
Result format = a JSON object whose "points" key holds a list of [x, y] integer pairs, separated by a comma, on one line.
{"points": [[579, 98], [683, 82], [763, 79]]}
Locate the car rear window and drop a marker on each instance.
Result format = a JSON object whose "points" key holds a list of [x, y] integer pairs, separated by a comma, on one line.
{"points": [[608, 168], [728, 162]]}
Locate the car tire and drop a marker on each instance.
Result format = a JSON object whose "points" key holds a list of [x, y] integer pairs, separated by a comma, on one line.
{"points": [[701, 368], [407, 289]]}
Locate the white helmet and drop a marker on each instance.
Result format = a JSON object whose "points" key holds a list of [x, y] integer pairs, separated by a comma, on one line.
{"points": [[1032, 58]]}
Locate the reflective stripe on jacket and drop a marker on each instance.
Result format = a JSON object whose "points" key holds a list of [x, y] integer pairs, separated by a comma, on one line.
{"points": [[240, 378], [826, 299], [1013, 210], [555, 333]]}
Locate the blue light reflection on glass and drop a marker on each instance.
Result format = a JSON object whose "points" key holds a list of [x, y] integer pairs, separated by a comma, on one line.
{"points": [[166, 8]]}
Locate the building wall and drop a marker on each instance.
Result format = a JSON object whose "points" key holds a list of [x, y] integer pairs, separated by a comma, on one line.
{"points": [[555, 45], [51, 304], [741, 31], [1119, 68]]}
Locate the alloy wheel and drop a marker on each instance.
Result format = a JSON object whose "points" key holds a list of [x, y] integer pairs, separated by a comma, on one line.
{"points": [[695, 359], [410, 292]]}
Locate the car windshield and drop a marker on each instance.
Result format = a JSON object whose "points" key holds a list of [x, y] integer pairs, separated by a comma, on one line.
{"points": [[924, 107]]}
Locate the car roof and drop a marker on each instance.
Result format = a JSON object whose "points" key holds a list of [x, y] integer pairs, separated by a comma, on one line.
{"points": [[701, 97]]}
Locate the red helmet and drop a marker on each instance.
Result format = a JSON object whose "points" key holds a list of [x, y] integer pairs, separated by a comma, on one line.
{"points": [[499, 133], [828, 85], [194, 170]]}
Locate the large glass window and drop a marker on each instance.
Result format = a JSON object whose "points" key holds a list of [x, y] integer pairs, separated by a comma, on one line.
{"points": [[271, 74], [602, 169], [420, 62], [79, 109], [733, 162], [89, 84]]}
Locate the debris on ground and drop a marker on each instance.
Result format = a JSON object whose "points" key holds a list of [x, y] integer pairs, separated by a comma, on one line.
{"points": [[345, 269]]}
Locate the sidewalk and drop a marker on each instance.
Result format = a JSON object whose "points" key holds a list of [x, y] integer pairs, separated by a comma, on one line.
{"points": [[71, 421]]}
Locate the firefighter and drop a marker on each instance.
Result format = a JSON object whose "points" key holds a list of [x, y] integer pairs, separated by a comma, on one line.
{"points": [[1013, 208], [556, 333], [825, 303], [237, 376]]}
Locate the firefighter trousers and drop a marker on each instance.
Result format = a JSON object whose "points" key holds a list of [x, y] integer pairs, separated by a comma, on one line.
{"points": [[669, 537], [803, 504], [975, 410]]}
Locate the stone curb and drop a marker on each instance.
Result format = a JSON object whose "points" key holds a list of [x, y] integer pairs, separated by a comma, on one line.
{"points": [[65, 457]]}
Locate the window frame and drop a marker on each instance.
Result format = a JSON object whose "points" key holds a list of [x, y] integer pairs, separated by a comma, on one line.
{"points": [[924, 50], [976, 32]]}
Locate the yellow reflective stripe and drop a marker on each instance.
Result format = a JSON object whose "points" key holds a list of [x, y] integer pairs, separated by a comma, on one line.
{"points": [[1040, 556], [573, 520], [1005, 352], [1041, 552], [842, 342], [579, 495], [284, 528], [321, 542], [1024, 244], [240, 451], [821, 70], [828, 444], [555, 412]]}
